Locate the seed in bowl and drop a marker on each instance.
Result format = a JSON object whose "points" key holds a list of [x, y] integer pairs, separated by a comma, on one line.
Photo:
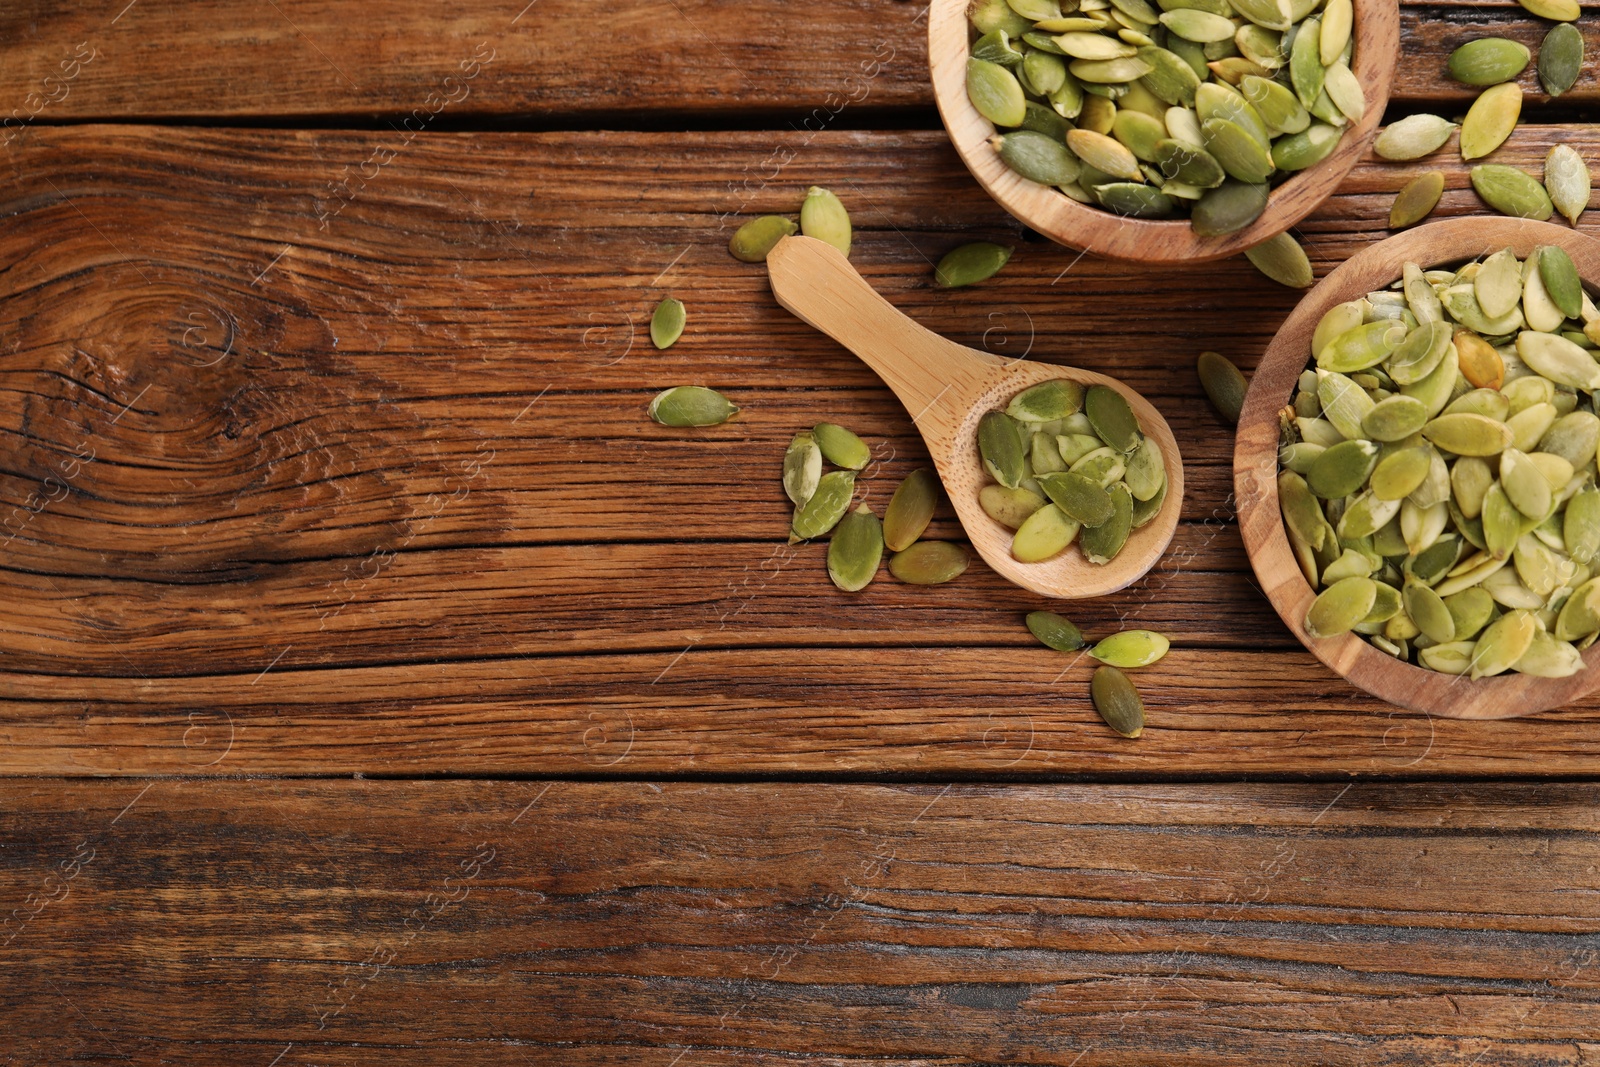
{"points": [[1157, 114], [1069, 464], [1437, 468]]}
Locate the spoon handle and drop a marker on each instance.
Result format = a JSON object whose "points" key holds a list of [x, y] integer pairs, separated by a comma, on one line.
{"points": [[814, 282]]}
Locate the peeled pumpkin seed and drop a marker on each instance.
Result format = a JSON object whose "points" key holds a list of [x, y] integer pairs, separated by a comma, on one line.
{"points": [[826, 506], [1416, 200], [1278, 107], [1503, 643], [1560, 278], [1132, 200], [1345, 91], [1198, 26], [1338, 19], [1470, 479], [1581, 613], [1338, 608], [911, 509], [1306, 72], [1490, 120], [1145, 510], [822, 216], [1394, 418], [1581, 525], [1111, 417], [1055, 631], [1413, 137], [1228, 208], [1566, 179], [1558, 359], [1056, 398], [929, 563], [1145, 474], [1343, 469], [1000, 447], [1470, 611], [1511, 192], [1548, 658], [1364, 346], [1283, 260], [1101, 543], [1224, 384], [1468, 435], [840, 447], [1427, 609], [1036, 156], [1422, 350], [1105, 154], [1488, 61], [1452, 658], [666, 323], [855, 550], [1045, 533], [1560, 58], [802, 468], [1131, 648], [691, 405], [752, 241], [1009, 507], [970, 264], [1498, 284], [1079, 497], [1556, 10], [995, 92], [1103, 466], [1117, 701], [1397, 474], [1189, 164]]}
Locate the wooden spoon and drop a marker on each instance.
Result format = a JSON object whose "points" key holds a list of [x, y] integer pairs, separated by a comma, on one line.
{"points": [[1255, 472], [947, 388]]}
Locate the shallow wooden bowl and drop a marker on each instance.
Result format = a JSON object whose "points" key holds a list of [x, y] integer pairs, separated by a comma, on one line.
{"points": [[1092, 229], [1255, 473]]}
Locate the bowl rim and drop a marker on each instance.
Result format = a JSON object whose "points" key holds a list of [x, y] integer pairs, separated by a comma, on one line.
{"points": [[1255, 470], [1093, 229]]}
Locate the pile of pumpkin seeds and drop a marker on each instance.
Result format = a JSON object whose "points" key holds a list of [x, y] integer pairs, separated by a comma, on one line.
{"points": [[1493, 64], [1069, 464], [822, 504], [1438, 468], [1113, 694], [1197, 108]]}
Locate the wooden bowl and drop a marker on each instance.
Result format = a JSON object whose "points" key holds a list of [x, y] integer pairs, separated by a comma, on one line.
{"points": [[1255, 473], [1093, 229]]}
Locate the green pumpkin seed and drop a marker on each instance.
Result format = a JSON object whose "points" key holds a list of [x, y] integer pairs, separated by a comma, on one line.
{"points": [[841, 447], [1108, 71], [1102, 466], [1413, 137], [1074, 446], [1581, 525], [1117, 701], [1045, 533], [1560, 58], [1394, 418], [1399, 473], [1185, 163], [1131, 648], [1502, 523], [1511, 192], [1041, 119], [1566, 179], [822, 216], [1573, 437], [666, 323], [1105, 154], [691, 405], [988, 16], [1009, 507], [1036, 156], [1560, 278], [1338, 19], [1224, 384], [1337, 320], [1580, 615], [1468, 435], [1498, 283], [1503, 643], [1299, 151], [1548, 658], [1435, 389], [1044, 455], [1199, 26], [826, 507], [1045, 72], [1079, 497], [1145, 510], [1470, 611], [1486, 402], [1301, 512], [1416, 200], [1345, 91], [1419, 295], [1539, 309], [929, 563], [1093, 45], [1054, 631], [752, 241], [1558, 359], [1268, 14], [1306, 72], [1001, 449], [996, 47], [1283, 260], [1490, 120], [1280, 110], [1056, 398], [1435, 561], [1112, 417], [1343, 469], [1556, 10], [1034, 10], [1101, 543], [1241, 154], [1470, 479], [995, 92], [1365, 346], [1225, 103], [1134, 201], [1530, 424], [802, 468], [1170, 79], [1488, 61], [911, 509], [970, 264], [1228, 208], [1427, 609], [1524, 485], [1366, 515], [1419, 354], [855, 550], [1452, 658], [1338, 608], [1139, 133], [1145, 474]]}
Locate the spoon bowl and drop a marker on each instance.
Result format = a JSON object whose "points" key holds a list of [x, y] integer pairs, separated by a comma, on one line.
{"points": [[947, 388]]}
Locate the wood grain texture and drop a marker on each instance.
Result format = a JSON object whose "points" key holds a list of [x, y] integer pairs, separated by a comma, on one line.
{"points": [[382, 496], [586, 923], [1059, 217], [822, 63], [1256, 471]]}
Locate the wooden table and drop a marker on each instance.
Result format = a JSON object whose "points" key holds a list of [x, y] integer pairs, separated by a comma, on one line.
{"points": [[380, 684]]}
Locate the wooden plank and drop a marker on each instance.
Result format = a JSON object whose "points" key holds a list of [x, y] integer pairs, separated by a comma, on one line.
{"points": [[406, 454], [608, 923], [434, 66]]}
